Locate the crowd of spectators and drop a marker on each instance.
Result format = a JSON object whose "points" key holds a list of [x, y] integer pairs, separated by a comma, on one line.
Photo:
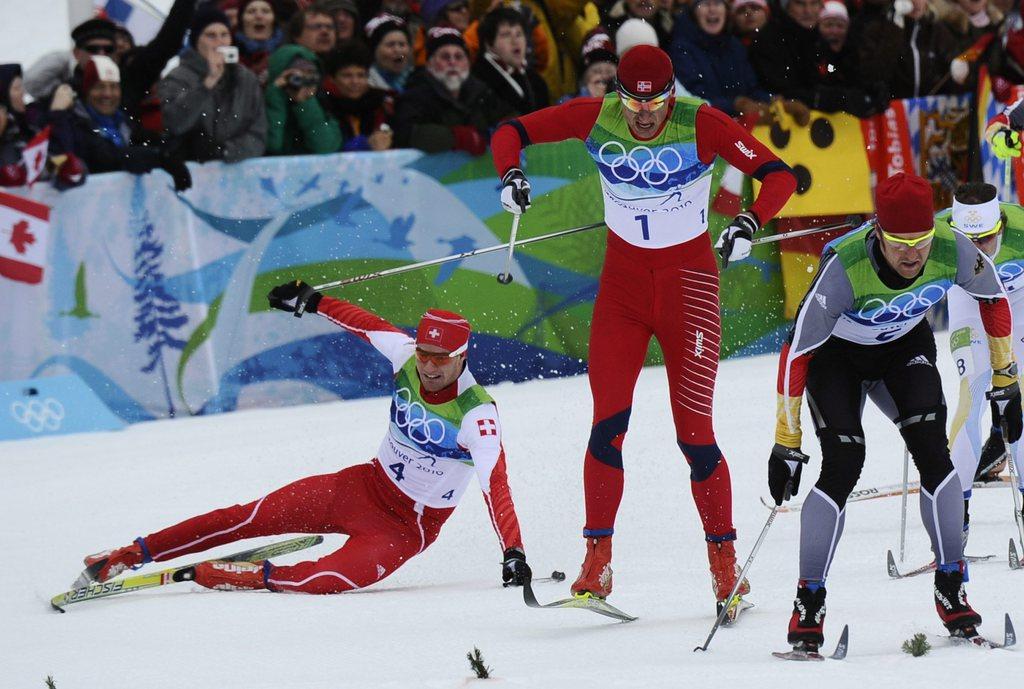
{"points": [[236, 79]]}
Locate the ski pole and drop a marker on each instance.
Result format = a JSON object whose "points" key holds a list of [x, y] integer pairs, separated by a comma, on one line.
{"points": [[506, 277], [903, 518], [1015, 487], [454, 257], [803, 233], [743, 573]]}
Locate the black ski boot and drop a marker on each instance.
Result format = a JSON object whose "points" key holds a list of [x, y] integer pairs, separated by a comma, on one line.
{"points": [[992, 457], [806, 626], [956, 613]]}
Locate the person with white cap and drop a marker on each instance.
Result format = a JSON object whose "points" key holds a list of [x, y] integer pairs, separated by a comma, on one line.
{"points": [[997, 229], [861, 330], [443, 431], [654, 152], [834, 24]]}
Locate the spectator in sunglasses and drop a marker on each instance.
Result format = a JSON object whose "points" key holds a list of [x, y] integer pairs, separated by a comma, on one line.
{"points": [[92, 37]]}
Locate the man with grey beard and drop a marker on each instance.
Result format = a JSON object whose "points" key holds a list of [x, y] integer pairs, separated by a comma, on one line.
{"points": [[444, 107]]}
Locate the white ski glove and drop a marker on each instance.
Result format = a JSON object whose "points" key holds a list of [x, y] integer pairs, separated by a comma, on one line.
{"points": [[734, 242], [515, 192]]}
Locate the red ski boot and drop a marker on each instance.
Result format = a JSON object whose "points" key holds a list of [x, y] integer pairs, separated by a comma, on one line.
{"points": [[231, 576], [724, 570], [596, 573]]}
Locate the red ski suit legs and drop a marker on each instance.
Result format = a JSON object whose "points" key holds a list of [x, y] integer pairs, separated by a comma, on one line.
{"points": [[383, 525], [671, 294]]}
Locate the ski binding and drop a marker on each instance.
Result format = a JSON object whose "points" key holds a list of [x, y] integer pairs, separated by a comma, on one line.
{"points": [[809, 652]]}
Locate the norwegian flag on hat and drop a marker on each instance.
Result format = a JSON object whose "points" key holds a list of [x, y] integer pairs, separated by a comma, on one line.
{"points": [[24, 225], [34, 155]]}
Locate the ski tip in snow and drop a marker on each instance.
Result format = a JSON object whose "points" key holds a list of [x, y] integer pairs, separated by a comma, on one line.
{"points": [[801, 654], [1014, 557], [890, 565], [843, 645], [1009, 635]]}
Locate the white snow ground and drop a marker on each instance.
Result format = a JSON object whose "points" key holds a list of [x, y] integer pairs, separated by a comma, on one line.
{"points": [[64, 497]]}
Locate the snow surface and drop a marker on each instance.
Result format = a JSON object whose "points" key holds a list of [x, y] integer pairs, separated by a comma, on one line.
{"points": [[61, 498]]}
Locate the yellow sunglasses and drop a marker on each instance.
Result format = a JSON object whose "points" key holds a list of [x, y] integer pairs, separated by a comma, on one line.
{"points": [[980, 236], [922, 241], [653, 104]]}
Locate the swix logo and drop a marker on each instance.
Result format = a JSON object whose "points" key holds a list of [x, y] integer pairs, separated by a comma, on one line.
{"points": [[643, 87], [821, 300], [745, 151], [698, 347]]}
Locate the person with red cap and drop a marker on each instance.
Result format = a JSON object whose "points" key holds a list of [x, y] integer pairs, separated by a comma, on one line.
{"points": [[861, 329], [443, 430], [654, 153]]}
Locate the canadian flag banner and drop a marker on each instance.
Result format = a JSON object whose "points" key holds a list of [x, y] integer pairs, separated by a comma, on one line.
{"points": [[24, 226], [34, 155]]}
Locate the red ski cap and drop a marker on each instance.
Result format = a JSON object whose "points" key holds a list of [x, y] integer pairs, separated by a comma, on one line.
{"points": [[645, 71], [444, 329], [903, 204]]}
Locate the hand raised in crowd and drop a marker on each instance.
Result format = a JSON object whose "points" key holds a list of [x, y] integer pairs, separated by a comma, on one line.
{"points": [[63, 98], [381, 139], [215, 63]]}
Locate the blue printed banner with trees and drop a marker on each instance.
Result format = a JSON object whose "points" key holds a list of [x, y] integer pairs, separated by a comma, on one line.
{"points": [[158, 300]]}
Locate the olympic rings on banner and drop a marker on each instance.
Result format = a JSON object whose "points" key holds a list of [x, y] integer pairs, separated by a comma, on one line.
{"points": [[38, 415], [641, 161], [412, 417], [901, 307]]}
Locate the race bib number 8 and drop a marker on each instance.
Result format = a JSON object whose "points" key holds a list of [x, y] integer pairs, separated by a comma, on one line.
{"points": [[960, 347]]}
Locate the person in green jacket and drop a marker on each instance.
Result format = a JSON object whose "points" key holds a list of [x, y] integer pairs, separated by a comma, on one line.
{"points": [[296, 121]]}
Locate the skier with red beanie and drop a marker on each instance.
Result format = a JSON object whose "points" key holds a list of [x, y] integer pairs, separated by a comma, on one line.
{"points": [[443, 430], [861, 330], [654, 153]]}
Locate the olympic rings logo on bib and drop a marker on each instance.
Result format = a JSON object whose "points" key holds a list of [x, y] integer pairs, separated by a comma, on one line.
{"points": [[901, 307], [641, 161], [412, 417], [38, 416]]}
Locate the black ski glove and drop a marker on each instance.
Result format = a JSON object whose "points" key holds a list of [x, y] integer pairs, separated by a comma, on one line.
{"points": [[176, 168], [291, 295], [515, 191], [735, 241], [1007, 401], [784, 467], [514, 570]]}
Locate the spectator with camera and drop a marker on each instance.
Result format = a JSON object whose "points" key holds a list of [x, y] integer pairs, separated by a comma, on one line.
{"points": [[502, 62], [391, 52], [212, 106], [445, 107], [712, 63], [104, 137], [296, 120], [361, 110], [257, 36]]}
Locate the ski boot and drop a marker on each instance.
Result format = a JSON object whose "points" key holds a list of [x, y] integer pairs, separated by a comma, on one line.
{"points": [[724, 570], [993, 457], [595, 579], [807, 625], [109, 563], [231, 576], [951, 601]]}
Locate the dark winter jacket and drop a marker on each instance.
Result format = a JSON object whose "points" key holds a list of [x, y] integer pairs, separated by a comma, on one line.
{"points": [[715, 68], [296, 128], [912, 61], [617, 13], [788, 60], [256, 54], [358, 118], [427, 113], [226, 122], [102, 153], [523, 91]]}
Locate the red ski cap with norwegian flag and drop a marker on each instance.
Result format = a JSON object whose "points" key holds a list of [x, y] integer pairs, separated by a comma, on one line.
{"points": [[444, 329], [645, 71]]}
